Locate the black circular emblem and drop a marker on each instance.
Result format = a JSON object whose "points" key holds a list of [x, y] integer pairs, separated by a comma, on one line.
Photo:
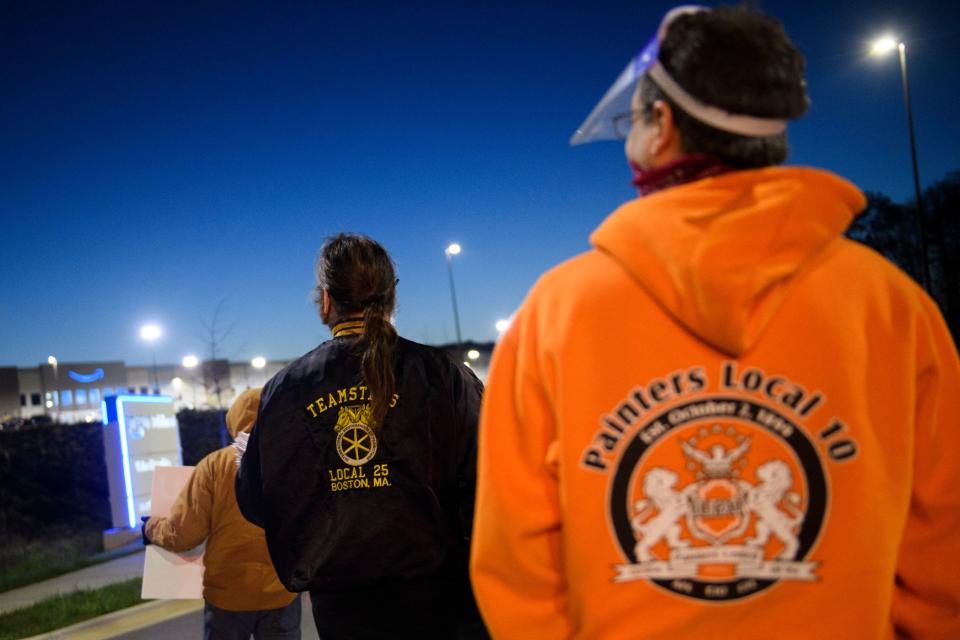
{"points": [[356, 444], [717, 499]]}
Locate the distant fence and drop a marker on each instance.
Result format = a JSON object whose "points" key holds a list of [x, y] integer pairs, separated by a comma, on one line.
{"points": [[201, 432], [53, 478]]}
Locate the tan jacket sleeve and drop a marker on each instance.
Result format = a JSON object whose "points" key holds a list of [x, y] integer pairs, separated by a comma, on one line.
{"points": [[515, 560], [926, 601], [190, 517]]}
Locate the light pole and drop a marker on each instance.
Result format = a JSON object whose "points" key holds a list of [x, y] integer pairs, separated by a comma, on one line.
{"points": [[151, 333], [190, 362], [452, 250], [177, 383], [880, 47], [52, 361]]}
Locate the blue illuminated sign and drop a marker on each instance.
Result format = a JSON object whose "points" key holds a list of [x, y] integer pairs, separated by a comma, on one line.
{"points": [[142, 435], [87, 377]]}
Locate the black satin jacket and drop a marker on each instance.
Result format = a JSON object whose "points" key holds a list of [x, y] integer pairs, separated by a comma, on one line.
{"points": [[345, 505]]}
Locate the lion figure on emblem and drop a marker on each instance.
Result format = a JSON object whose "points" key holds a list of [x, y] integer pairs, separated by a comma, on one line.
{"points": [[671, 505], [764, 499]]}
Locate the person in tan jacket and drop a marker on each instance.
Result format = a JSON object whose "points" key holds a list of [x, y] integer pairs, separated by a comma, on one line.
{"points": [[242, 593]]}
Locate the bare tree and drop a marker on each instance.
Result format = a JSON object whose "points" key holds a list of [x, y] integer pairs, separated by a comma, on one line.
{"points": [[216, 370]]}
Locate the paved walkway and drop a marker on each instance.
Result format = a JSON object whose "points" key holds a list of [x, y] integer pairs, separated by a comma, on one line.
{"points": [[99, 575]]}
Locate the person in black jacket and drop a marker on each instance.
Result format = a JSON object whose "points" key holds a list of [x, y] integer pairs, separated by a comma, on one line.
{"points": [[362, 464]]}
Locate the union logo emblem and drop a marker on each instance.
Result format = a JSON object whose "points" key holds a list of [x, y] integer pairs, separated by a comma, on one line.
{"points": [[727, 501], [356, 441]]}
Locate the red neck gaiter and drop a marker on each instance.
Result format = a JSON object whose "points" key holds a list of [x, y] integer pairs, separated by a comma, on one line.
{"points": [[682, 170]]}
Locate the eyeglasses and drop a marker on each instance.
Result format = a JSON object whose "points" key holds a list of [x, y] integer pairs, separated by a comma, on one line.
{"points": [[623, 122]]}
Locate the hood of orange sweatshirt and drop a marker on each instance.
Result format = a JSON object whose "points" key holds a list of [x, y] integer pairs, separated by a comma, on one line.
{"points": [[719, 254], [243, 412]]}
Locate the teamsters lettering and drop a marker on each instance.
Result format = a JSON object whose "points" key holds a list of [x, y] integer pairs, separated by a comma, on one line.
{"points": [[357, 393]]}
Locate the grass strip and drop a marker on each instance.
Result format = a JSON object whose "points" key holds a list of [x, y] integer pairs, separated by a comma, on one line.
{"points": [[24, 562], [36, 570], [64, 610], [29, 564]]}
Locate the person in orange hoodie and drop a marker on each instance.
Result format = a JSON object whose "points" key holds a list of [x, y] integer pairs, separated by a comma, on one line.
{"points": [[242, 593], [725, 420]]}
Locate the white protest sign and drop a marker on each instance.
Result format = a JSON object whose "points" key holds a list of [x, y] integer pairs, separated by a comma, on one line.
{"points": [[168, 575]]}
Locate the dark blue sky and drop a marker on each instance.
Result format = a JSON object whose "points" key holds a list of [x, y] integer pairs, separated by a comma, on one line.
{"points": [[157, 158]]}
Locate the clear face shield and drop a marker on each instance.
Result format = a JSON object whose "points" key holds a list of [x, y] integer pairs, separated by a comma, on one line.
{"points": [[600, 124], [616, 101]]}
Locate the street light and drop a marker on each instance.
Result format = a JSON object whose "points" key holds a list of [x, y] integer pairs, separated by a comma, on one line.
{"points": [[502, 325], [452, 250], [151, 333], [883, 46], [190, 362], [258, 363]]}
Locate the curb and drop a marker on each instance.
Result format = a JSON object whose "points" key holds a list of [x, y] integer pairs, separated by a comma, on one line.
{"points": [[123, 621]]}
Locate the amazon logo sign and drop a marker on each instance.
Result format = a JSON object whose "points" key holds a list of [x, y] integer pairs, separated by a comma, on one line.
{"points": [[86, 378]]}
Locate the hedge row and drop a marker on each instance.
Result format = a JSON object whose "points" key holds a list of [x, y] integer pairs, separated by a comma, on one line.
{"points": [[53, 477]]}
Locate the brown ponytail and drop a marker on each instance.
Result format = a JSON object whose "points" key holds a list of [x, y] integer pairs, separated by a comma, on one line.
{"points": [[380, 338], [360, 277]]}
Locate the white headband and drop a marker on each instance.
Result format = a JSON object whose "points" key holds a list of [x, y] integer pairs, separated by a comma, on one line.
{"points": [[714, 116]]}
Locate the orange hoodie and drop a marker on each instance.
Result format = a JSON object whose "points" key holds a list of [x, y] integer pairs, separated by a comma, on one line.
{"points": [[724, 421], [237, 572]]}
